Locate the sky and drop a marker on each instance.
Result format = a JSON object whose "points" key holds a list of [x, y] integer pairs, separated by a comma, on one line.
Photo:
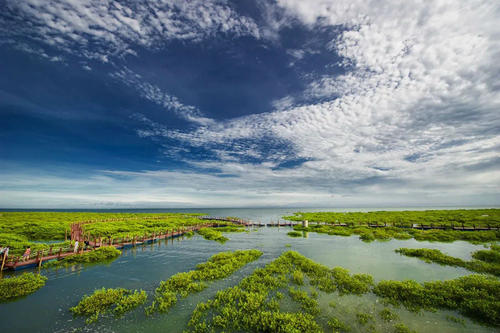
{"points": [[213, 103]]}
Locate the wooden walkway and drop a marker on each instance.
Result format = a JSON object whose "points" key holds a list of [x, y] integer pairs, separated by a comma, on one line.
{"points": [[37, 259], [451, 226]]}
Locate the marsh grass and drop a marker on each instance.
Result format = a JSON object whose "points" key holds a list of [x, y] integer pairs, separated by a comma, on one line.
{"points": [[468, 217], [251, 305], [102, 254], [212, 234], [486, 264], [219, 266], [104, 301], [21, 285], [367, 234], [475, 296]]}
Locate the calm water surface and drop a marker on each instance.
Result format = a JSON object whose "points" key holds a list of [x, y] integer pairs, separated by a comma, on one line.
{"points": [[145, 266]]}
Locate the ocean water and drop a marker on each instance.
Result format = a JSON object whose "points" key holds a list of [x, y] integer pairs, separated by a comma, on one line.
{"points": [[145, 266]]}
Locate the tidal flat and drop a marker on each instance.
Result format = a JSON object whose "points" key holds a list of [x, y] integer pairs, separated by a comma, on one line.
{"points": [[143, 267]]}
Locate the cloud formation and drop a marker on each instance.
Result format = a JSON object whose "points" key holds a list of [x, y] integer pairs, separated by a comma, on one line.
{"points": [[420, 98], [103, 30], [415, 115]]}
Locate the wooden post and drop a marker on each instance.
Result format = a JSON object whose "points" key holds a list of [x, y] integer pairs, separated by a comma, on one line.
{"points": [[4, 258], [50, 251], [66, 234]]}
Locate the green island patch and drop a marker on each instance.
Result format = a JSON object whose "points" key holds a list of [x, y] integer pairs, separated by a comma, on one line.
{"points": [[486, 261], [21, 285], [104, 301]]}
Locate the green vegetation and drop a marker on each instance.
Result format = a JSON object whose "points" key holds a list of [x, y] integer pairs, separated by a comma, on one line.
{"points": [[368, 234], [219, 266], [469, 217], [21, 285], [436, 256], [491, 256], [402, 328], [294, 234], [231, 228], [387, 315], [212, 234], [104, 301], [20, 230], [102, 254], [455, 320], [364, 318], [254, 305], [19, 243], [475, 296], [397, 224], [338, 326], [307, 303]]}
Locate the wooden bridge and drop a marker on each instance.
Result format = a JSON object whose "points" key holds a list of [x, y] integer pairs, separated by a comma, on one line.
{"points": [[36, 259]]}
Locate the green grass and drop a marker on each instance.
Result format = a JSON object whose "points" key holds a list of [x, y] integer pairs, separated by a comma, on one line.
{"points": [[21, 285], [104, 301], [20, 230]]}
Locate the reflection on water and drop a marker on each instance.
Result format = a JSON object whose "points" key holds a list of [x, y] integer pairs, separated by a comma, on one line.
{"points": [[144, 266]]}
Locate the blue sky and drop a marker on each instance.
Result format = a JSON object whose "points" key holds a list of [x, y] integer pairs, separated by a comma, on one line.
{"points": [[249, 103]]}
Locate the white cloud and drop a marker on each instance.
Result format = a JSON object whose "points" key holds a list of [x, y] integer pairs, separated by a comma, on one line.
{"points": [[414, 118], [156, 95], [100, 30], [420, 97]]}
